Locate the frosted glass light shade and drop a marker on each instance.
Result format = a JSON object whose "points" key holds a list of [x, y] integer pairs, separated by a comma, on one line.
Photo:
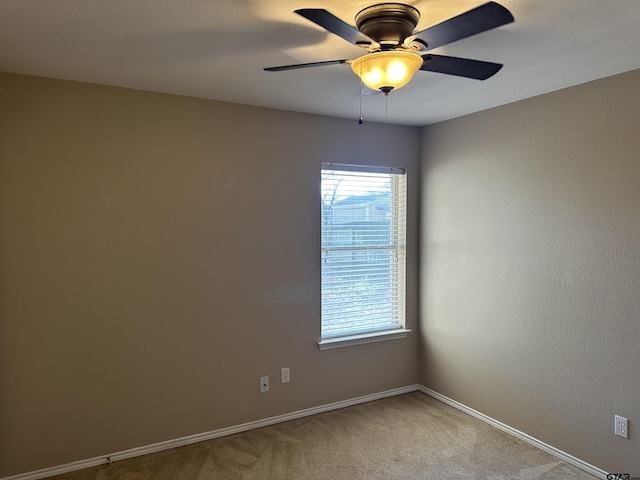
{"points": [[382, 70]]}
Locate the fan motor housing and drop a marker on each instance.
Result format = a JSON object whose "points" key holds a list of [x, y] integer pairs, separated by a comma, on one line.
{"points": [[388, 23]]}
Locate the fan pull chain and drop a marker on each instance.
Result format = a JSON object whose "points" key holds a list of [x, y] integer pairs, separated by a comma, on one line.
{"points": [[360, 122], [386, 104]]}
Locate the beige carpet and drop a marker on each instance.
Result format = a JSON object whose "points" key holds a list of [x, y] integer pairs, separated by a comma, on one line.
{"points": [[406, 437]]}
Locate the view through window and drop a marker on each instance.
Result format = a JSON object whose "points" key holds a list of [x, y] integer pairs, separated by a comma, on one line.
{"points": [[363, 249]]}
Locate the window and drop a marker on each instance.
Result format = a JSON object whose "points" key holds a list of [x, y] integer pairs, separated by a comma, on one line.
{"points": [[363, 254]]}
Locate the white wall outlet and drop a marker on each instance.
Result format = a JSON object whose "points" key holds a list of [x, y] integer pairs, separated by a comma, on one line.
{"points": [[622, 426], [284, 375], [264, 384]]}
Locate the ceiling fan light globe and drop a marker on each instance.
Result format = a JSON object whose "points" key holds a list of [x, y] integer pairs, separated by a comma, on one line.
{"points": [[373, 77], [387, 69], [396, 71]]}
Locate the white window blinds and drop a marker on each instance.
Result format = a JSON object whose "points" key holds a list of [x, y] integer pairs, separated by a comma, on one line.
{"points": [[363, 249]]}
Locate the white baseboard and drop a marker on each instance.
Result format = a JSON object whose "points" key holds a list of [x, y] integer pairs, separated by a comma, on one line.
{"points": [[200, 437], [576, 462]]}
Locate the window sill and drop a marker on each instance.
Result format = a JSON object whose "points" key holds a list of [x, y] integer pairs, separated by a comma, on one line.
{"points": [[351, 340]]}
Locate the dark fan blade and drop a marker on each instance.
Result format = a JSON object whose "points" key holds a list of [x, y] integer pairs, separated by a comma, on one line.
{"points": [[330, 22], [485, 17], [462, 67], [305, 65]]}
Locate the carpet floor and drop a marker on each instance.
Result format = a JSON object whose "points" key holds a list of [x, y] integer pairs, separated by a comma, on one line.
{"points": [[407, 437]]}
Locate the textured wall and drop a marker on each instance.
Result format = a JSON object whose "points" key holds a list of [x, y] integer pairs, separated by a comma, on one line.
{"points": [[158, 254], [530, 266]]}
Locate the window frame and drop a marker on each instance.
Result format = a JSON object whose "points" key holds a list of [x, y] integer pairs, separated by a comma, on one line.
{"points": [[399, 329]]}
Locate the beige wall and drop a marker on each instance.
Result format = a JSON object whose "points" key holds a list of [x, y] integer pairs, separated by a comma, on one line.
{"points": [[158, 254], [530, 266], [146, 284]]}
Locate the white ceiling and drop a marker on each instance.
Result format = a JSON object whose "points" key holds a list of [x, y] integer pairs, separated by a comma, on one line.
{"points": [[217, 49]]}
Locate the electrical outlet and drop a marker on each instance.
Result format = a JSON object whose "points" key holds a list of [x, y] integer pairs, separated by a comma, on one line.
{"points": [[622, 426], [264, 384], [284, 375]]}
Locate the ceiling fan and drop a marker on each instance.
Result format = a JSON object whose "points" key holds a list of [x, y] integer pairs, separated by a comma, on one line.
{"points": [[394, 50]]}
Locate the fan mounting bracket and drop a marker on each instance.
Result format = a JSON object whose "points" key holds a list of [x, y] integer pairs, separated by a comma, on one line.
{"points": [[388, 23]]}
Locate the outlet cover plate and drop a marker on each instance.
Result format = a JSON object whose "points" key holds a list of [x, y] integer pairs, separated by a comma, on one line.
{"points": [[264, 384], [622, 426]]}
